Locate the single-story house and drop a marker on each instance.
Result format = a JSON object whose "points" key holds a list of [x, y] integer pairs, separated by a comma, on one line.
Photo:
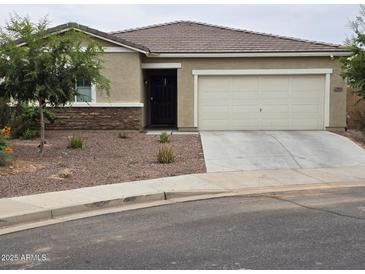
{"points": [[197, 76]]}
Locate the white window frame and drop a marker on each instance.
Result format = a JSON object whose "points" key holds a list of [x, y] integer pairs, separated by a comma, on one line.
{"points": [[315, 71], [93, 96]]}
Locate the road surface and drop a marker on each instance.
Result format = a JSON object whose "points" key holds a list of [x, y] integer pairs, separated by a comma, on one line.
{"points": [[321, 229]]}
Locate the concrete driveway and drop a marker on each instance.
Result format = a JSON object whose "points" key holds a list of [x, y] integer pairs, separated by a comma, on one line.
{"points": [[260, 150]]}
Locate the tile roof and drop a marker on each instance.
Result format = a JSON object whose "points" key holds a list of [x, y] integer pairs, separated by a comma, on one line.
{"points": [[98, 33], [195, 37]]}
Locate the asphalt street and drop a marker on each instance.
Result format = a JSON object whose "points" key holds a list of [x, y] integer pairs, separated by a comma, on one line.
{"points": [[318, 229]]}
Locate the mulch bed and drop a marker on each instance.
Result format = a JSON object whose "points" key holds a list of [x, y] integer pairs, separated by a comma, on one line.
{"points": [[356, 136], [105, 159]]}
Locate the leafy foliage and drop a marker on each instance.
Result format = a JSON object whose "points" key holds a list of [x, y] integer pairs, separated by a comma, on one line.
{"points": [[75, 142], [354, 66], [164, 137], [41, 67], [165, 154], [26, 118], [5, 150], [5, 112], [28, 134]]}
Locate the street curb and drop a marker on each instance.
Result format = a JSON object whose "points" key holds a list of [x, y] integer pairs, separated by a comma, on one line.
{"points": [[35, 219], [46, 214], [173, 197]]}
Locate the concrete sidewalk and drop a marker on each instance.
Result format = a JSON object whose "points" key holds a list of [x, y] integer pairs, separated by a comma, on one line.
{"points": [[50, 205]]}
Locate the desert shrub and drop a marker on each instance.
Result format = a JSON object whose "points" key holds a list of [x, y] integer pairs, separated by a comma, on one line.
{"points": [[28, 134], [26, 117], [5, 150], [165, 154], [4, 158], [75, 142], [122, 135], [164, 137]]}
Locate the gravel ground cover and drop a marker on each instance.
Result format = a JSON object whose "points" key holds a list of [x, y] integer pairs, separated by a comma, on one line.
{"points": [[105, 159]]}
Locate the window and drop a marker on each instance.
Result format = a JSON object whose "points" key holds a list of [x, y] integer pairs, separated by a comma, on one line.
{"points": [[84, 91]]}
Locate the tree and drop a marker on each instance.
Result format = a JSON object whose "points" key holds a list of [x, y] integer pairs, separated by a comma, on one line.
{"points": [[354, 66], [37, 66]]}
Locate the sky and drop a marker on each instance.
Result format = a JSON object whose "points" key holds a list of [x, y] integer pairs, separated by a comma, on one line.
{"points": [[326, 23]]}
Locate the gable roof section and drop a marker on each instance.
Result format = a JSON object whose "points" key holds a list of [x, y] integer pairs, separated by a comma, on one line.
{"points": [[98, 34], [194, 37]]}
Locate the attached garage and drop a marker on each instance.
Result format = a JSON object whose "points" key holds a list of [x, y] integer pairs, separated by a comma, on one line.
{"points": [[272, 100]]}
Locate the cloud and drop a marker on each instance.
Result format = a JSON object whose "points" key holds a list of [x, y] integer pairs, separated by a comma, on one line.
{"points": [[315, 22]]}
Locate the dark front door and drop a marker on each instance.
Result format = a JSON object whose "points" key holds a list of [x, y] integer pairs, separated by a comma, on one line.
{"points": [[162, 97]]}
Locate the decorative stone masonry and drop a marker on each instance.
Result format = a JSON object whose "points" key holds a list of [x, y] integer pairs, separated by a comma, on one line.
{"points": [[129, 118]]}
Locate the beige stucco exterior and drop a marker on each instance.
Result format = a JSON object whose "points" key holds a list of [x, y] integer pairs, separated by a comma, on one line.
{"points": [[186, 80], [124, 71]]}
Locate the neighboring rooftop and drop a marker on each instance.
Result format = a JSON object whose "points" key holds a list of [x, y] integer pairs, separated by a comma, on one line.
{"points": [[195, 37]]}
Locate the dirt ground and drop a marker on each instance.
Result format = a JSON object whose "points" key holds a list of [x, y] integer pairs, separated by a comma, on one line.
{"points": [[105, 159]]}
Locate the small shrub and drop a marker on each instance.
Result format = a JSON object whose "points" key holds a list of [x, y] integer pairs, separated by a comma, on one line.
{"points": [[4, 158], [28, 134], [122, 135], [75, 142], [27, 117], [164, 137], [165, 154], [5, 150]]}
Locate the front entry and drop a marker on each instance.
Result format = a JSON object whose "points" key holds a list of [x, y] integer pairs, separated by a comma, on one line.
{"points": [[161, 97]]}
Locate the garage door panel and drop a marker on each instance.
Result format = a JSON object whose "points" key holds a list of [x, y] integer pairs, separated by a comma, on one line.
{"points": [[268, 109], [273, 124], [245, 109], [247, 83], [314, 109], [273, 83], [304, 124], [215, 100], [244, 95], [307, 83], [278, 94], [215, 84], [215, 113], [286, 102]]}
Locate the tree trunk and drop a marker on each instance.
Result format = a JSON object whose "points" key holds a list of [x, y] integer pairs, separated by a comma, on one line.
{"points": [[41, 145]]}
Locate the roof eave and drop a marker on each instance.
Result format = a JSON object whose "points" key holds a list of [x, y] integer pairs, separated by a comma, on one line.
{"points": [[97, 34], [253, 54]]}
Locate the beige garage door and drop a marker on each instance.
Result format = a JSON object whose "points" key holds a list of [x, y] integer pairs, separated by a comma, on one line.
{"points": [[261, 102]]}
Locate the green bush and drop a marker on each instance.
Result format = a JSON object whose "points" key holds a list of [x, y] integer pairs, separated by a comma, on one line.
{"points": [[75, 142], [4, 156], [165, 154], [28, 134], [164, 137], [26, 117]]}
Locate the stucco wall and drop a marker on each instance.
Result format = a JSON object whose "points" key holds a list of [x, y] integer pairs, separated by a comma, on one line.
{"points": [[125, 73], [186, 82]]}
